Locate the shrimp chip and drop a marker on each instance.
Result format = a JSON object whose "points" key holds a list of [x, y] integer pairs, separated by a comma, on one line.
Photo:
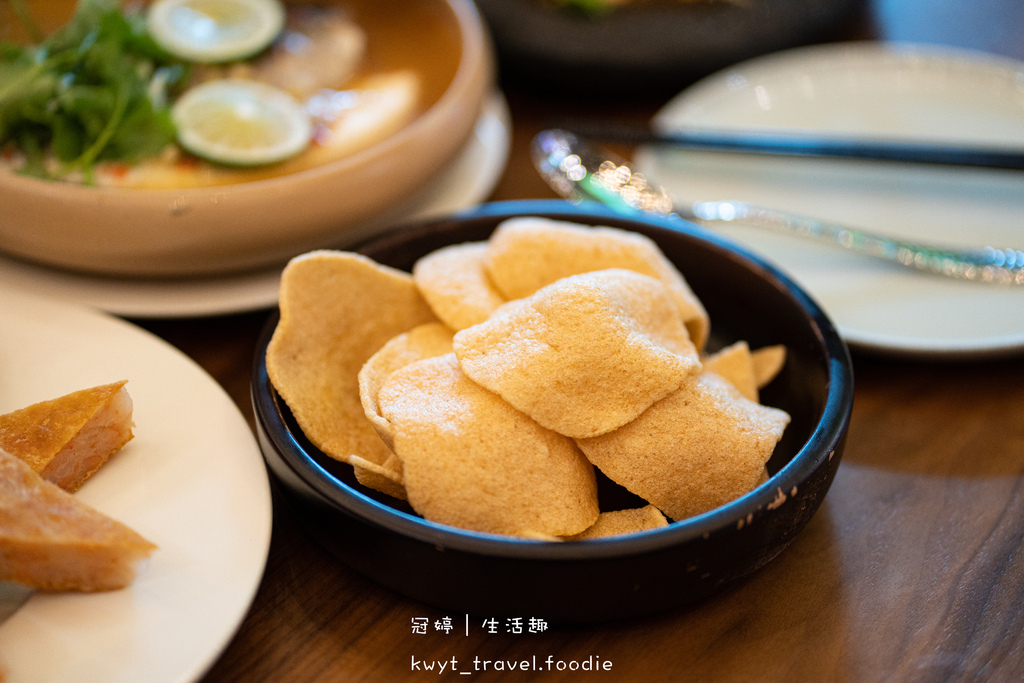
{"points": [[735, 364], [528, 253], [620, 522], [386, 478], [473, 461], [337, 310], [425, 341], [767, 362], [584, 355], [701, 447], [454, 283]]}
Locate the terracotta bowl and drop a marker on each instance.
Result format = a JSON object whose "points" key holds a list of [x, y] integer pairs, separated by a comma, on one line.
{"points": [[687, 561], [139, 232]]}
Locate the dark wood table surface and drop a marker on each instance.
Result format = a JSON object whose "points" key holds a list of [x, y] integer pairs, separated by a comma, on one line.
{"points": [[912, 570]]}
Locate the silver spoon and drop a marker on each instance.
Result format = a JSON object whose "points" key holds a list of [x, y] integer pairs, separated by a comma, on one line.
{"points": [[579, 171]]}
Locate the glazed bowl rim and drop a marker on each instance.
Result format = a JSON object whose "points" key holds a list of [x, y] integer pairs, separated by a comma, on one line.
{"points": [[823, 443]]}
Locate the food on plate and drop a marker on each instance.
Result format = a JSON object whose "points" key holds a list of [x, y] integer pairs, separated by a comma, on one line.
{"points": [[486, 387], [100, 94], [528, 253], [621, 522], [473, 461], [337, 310], [51, 541], [583, 355], [422, 342], [68, 439]]}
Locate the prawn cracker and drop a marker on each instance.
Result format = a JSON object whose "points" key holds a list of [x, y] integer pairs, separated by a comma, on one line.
{"points": [[527, 253], [424, 341], [473, 461], [68, 439], [455, 284], [337, 310], [735, 364], [695, 450], [621, 522], [584, 355]]}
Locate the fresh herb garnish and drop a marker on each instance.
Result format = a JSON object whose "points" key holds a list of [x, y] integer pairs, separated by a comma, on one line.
{"points": [[95, 90]]}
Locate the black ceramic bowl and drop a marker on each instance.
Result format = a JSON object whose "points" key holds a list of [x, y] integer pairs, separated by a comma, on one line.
{"points": [[467, 572]]}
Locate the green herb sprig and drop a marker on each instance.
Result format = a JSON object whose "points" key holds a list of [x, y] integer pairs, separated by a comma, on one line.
{"points": [[95, 90]]}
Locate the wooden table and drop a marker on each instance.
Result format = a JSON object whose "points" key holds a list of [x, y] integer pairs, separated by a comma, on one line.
{"points": [[913, 569]]}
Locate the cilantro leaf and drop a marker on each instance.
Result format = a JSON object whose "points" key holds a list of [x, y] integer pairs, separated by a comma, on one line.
{"points": [[94, 90]]}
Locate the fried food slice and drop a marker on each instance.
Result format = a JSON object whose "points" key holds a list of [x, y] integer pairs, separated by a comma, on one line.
{"points": [[473, 461], [455, 284], [527, 253], [337, 310], [735, 364], [424, 341], [584, 355], [697, 449], [67, 439], [767, 362], [386, 478], [621, 522], [51, 541]]}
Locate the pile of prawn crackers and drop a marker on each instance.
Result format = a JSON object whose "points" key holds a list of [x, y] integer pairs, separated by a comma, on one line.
{"points": [[485, 387]]}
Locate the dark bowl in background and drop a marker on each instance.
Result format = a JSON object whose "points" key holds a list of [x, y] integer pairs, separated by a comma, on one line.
{"points": [[650, 48], [626, 576]]}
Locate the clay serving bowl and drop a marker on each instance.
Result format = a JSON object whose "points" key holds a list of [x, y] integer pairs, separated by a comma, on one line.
{"points": [[215, 230], [617, 577]]}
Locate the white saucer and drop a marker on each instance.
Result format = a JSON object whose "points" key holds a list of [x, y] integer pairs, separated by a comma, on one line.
{"points": [[467, 181], [192, 481], [920, 92]]}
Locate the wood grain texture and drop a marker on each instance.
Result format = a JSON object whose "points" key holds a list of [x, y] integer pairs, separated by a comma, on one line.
{"points": [[912, 570]]}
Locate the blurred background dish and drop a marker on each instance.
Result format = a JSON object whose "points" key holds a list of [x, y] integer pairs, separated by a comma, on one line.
{"points": [[647, 48], [465, 181], [606, 578], [220, 220], [906, 91]]}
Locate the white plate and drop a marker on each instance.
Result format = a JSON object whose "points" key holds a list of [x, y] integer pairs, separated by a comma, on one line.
{"points": [[864, 88], [192, 481], [467, 181]]}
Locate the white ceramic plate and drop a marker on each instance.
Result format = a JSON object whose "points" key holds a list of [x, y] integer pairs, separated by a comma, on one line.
{"points": [[191, 481], [926, 93], [467, 181]]}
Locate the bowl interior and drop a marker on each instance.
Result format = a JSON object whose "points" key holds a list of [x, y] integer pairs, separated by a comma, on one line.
{"points": [[745, 298]]}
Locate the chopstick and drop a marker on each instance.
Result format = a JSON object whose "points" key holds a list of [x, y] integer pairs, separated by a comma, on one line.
{"points": [[804, 145]]}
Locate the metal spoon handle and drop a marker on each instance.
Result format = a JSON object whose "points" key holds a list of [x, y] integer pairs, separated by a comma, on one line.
{"points": [[578, 171], [986, 264]]}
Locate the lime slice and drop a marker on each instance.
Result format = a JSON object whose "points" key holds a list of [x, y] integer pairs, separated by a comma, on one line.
{"points": [[241, 122], [211, 31]]}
